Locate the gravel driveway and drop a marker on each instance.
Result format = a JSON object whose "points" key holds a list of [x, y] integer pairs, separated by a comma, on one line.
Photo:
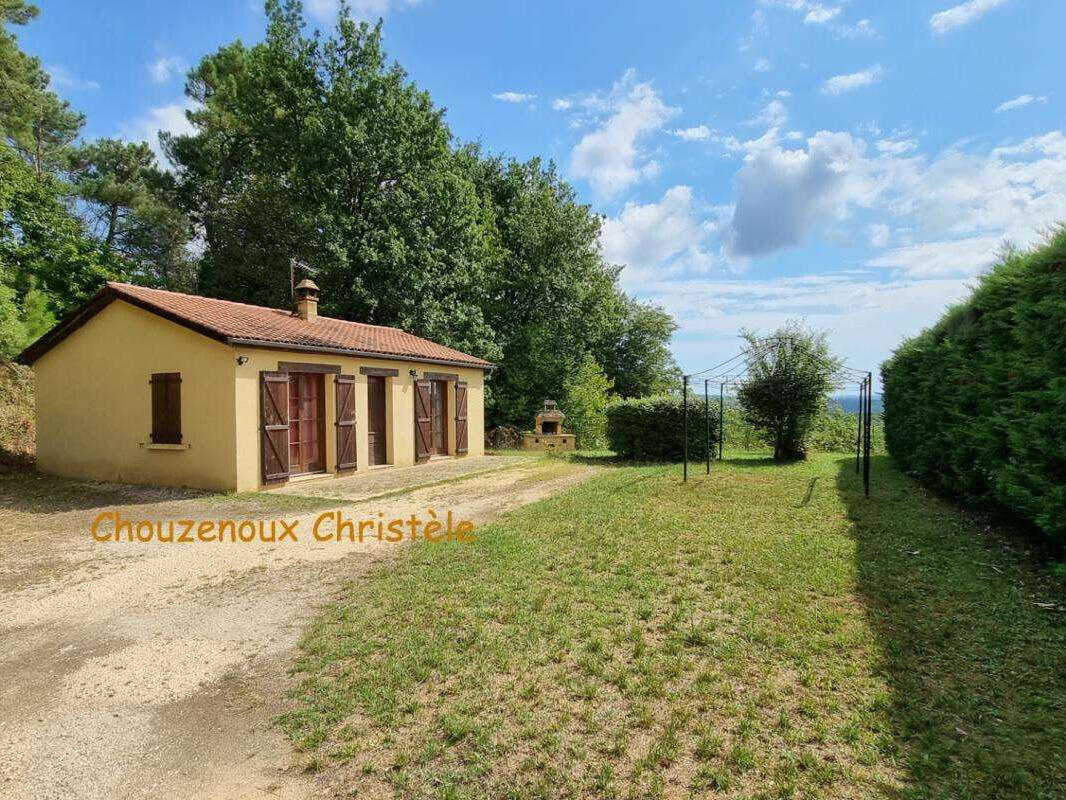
{"points": [[154, 670]]}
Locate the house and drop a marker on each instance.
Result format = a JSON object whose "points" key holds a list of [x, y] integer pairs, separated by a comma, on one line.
{"points": [[149, 386]]}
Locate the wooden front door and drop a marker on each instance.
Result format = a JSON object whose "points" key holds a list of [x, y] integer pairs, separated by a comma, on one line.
{"points": [[375, 393], [307, 452], [438, 411]]}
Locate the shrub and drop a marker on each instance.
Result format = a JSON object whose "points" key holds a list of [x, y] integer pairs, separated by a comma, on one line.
{"points": [[976, 405], [834, 431], [653, 428], [585, 398]]}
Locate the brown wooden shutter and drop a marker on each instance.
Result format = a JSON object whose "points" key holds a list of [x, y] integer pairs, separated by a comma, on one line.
{"points": [[345, 396], [166, 408], [422, 423], [460, 418], [274, 417]]}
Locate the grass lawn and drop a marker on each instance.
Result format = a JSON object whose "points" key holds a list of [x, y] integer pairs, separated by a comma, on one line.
{"points": [[761, 632]]}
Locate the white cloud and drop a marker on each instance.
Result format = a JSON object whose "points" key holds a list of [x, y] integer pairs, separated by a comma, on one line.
{"points": [[514, 97], [1019, 102], [839, 84], [826, 16], [62, 78], [781, 194], [147, 127], [957, 205], [962, 14], [326, 10], [762, 65], [166, 67], [878, 234], [866, 315], [897, 147], [608, 157], [951, 257], [862, 29], [820, 15], [698, 133], [773, 115], [657, 239], [562, 104]]}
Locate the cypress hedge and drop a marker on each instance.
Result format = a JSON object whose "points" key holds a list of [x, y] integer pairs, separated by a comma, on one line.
{"points": [[975, 406], [653, 428]]}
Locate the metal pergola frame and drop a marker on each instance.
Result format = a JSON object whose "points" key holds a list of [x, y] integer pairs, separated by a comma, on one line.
{"points": [[732, 372]]}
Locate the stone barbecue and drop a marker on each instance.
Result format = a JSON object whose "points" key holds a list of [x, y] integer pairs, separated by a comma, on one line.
{"points": [[548, 431]]}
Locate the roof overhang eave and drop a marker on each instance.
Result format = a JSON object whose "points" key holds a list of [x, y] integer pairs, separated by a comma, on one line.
{"points": [[344, 351]]}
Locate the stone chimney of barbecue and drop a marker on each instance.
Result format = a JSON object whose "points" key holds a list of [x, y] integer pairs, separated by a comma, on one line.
{"points": [[307, 300]]}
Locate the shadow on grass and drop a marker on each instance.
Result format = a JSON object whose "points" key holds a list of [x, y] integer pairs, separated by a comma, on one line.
{"points": [[25, 490], [976, 667], [752, 461], [695, 463], [608, 460]]}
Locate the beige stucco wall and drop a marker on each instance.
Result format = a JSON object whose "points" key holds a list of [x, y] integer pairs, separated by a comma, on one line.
{"points": [[399, 409], [94, 403]]}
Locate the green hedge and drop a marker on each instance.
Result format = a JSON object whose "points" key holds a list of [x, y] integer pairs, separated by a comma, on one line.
{"points": [[976, 405], [653, 428]]}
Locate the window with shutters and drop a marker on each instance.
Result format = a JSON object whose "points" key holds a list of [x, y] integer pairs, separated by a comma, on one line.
{"points": [[166, 408]]}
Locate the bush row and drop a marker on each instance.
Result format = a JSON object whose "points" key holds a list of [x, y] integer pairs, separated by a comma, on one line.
{"points": [[976, 405], [653, 429]]}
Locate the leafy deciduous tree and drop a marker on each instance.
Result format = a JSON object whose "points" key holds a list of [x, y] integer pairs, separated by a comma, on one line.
{"points": [[789, 378], [585, 398]]}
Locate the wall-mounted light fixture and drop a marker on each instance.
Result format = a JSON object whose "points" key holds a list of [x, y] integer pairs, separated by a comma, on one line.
{"points": [[242, 360], [413, 373]]}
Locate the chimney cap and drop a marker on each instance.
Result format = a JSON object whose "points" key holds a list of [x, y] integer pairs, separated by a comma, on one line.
{"points": [[307, 285]]}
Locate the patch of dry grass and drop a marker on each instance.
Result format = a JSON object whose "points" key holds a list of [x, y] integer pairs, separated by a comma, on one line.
{"points": [[18, 431], [639, 638]]}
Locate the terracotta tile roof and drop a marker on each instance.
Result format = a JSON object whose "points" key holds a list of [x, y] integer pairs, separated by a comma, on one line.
{"points": [[242, 324]]}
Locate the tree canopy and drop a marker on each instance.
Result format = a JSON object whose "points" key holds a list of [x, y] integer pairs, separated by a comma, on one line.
{"points": [[315, 147]]}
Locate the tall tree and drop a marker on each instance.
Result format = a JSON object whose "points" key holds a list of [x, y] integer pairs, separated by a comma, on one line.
{"points": [[548, 295], [40, 125], [46, 261], [317, 149], [634, 350], [790, 375], [130, 208]]}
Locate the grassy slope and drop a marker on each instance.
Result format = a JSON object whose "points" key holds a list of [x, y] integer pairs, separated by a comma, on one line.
{"points": [[762, 632]]}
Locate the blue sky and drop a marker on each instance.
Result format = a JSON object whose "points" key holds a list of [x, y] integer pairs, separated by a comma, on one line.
{"points": [[853, 162]]}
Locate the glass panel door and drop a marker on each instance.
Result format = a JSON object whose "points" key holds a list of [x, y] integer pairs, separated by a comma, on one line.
{"points": [[437, 403], [305, 418]]}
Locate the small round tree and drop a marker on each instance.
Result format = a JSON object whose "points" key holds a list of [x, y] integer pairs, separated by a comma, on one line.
{"points": [[790, 375]]}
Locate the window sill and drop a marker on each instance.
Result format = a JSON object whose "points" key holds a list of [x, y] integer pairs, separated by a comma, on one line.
{"points": [[166, 446]]}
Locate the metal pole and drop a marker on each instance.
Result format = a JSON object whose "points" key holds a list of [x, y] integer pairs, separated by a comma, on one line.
{"points": [[866, 444], [721, 418], [858, 433], [684, 403], [707, 417]]}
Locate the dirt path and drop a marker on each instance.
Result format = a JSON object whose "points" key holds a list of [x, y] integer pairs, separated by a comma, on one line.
{"points": [[154, 670]]}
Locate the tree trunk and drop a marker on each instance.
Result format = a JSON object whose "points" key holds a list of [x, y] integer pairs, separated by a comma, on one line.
{"points": [[112, 221]]}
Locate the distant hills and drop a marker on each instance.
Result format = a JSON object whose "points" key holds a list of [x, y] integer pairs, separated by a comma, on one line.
{"points": [[850, 402]]}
